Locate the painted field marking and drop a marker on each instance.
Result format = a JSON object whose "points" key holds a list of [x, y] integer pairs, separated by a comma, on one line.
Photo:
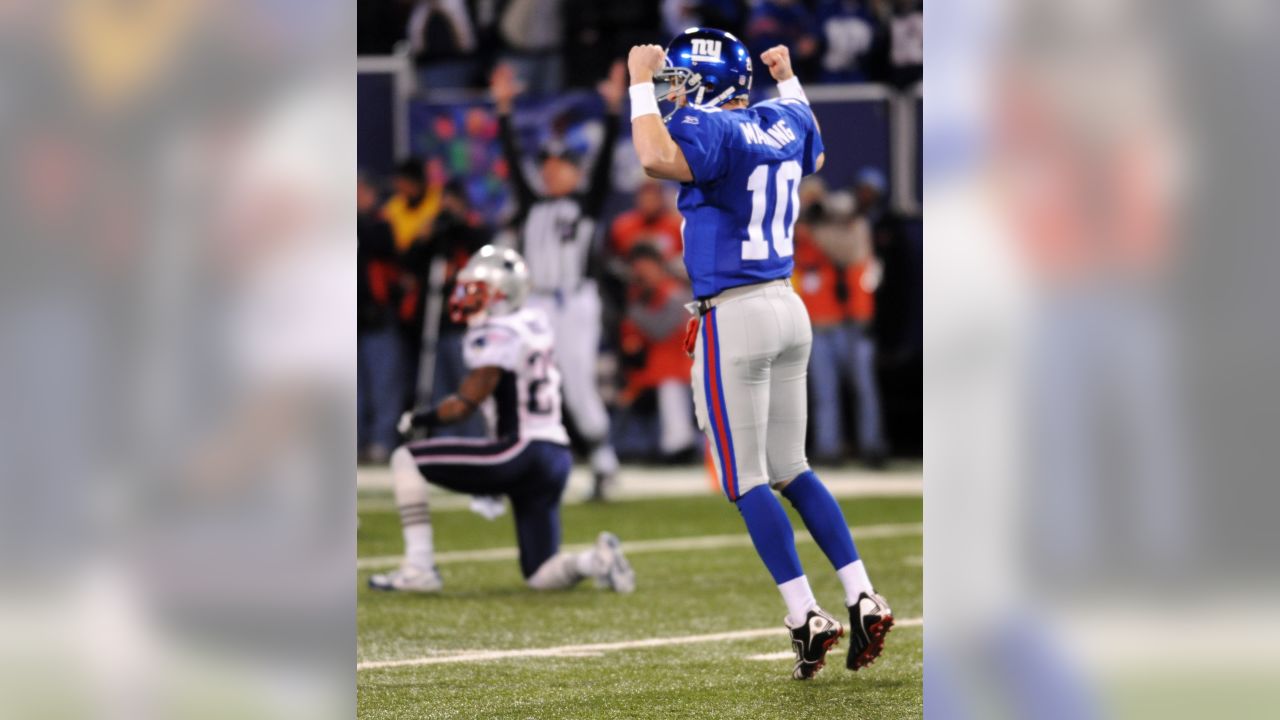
{"points": [[640, 483], [588, 650], [789, 655], [699, 542]]}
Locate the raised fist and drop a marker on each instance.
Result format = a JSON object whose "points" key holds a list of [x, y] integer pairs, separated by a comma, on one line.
{"points": [[778, 60], [644, 61]]}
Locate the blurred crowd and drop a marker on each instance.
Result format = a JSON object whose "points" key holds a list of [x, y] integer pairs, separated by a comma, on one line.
{"points": [[418, 227], [559, 44]]}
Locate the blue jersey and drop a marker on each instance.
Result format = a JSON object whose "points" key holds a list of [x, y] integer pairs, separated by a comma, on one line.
{"points": [[740, 210]]}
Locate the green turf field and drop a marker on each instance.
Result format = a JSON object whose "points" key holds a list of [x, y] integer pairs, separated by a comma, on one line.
{"points": [[713, 585]]}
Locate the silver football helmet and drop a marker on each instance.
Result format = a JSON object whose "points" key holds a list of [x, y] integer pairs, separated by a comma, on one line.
{"points": [[495, 281]]}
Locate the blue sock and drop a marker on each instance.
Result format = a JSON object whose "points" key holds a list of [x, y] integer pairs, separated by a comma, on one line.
{"points": [[771, 533], [822, 516]]}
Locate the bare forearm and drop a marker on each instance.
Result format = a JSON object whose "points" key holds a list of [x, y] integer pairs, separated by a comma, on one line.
{"points": [[659, 155], [475, 388], [454, 409], [778, 60]]}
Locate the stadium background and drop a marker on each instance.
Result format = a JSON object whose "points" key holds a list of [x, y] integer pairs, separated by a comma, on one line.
{"points": [[422, 100]]}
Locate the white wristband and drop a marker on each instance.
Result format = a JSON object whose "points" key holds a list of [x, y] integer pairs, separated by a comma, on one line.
{"points": [[643, 101], [790, 88]]}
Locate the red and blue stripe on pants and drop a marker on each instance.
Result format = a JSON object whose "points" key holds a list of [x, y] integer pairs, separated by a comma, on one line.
{"points": [[717, 415]]}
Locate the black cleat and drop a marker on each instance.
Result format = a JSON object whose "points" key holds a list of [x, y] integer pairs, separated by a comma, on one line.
{"points": [[811, 641], [870, 619]]}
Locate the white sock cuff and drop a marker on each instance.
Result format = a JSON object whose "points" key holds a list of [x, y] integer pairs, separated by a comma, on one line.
{"points": [[790, 88], [643, 101], [855, 580], [799, 598]]}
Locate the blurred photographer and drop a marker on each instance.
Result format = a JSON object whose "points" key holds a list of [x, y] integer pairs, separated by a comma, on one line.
{"points": [[654, 360], [379, 353], [837, 274], [455, 234]]}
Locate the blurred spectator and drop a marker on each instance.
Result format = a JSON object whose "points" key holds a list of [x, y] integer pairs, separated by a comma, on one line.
{"points": [[863, 277], [380, 24], [533, 33], [555, 230], [907, 44], [554, 44], [435, 260], [378, 354], [850, 35], [679, 15], [654, 360], [443, 44], [597, 33], [653, 220], [836, 276], [728, 15], [785, 22], [413, 205], [485, 16]]}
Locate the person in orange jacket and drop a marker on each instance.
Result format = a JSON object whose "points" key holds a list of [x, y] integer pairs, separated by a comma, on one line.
{"points": [[653, 220], [836, 276], [652, 340]]}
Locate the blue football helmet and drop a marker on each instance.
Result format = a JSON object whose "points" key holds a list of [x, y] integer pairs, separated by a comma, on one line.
{"points": [[706, 67]]}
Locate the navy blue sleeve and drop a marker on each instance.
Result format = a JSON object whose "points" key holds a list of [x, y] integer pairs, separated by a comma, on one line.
{"points": [[700, 137], [801, 116]]}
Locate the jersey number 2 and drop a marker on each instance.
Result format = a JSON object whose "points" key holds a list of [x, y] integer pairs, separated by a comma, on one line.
{"points": [[786, 200], [540, 400]]}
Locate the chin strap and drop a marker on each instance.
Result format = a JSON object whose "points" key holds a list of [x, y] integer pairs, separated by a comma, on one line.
{"points": [[722, 98]]}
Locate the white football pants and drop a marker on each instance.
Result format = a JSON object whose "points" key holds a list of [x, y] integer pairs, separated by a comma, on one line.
{"points": [[575, 322], [749, 393]]}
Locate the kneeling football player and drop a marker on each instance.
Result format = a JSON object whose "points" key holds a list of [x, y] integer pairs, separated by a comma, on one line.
{"points": [[514, 380]]}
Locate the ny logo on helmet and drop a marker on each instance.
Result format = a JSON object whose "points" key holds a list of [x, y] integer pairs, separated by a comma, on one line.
{"points": [[705, 50]]}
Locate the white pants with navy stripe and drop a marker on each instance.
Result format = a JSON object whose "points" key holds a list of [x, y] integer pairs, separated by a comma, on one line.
{"points": [[575, 322], [749, 392]]}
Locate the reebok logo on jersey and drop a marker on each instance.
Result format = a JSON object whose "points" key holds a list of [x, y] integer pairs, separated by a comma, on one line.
{"points": [[776, 136], [690, 120], [705, 50]]}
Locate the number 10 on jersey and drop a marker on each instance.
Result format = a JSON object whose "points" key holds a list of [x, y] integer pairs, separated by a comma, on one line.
{"points": [[785, 189]]}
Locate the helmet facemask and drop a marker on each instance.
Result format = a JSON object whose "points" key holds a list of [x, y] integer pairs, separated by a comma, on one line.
{"points": [[470, 301], [494, 281], [679, 86], [672, 85]]}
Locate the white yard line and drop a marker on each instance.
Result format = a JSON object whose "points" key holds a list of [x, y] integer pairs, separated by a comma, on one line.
{"points": [[640, 483], [588, 650], [702, 542], [787, 654]]}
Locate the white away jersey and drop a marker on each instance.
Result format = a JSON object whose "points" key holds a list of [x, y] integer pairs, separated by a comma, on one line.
{"points": [[526, 403]]}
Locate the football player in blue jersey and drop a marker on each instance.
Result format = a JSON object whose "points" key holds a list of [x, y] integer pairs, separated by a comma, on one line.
{"points": [[740, 169]]}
